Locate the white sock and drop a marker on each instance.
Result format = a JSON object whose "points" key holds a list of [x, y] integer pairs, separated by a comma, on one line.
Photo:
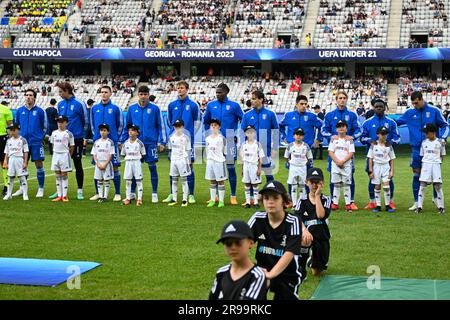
{"points": [[185, 186], [302, 192], [128, 189], [80, 191], [421, 195], [212, 191], [140, 189], [175, 188], [247, 194], [255, 194], [378, 197], [221, 188], [100, 188], [294, 193], [106, 190], [440, 195], [58, 184], [347, 194], [387, 195], [336, 193], [65, 185], [24, 185], [10, 186]]}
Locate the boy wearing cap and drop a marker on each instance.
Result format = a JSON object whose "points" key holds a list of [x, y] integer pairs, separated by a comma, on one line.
{"points": [[341, 152], [103, 152], [314, 211], [251, 154], [63, 145], [432, 151], [134, 150], [241, 279], [16, 161], [278, 235], [297, 156], [180, 163], [381, 168]]}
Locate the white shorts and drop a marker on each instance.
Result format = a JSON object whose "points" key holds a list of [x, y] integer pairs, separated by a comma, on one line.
{"points": [[297, 175], [216, 170], [61, 162], [15, 167], [250, 171], [431, 172], [180, 168], [133, 169], [107, 174], [381, 173], [343, 175]]}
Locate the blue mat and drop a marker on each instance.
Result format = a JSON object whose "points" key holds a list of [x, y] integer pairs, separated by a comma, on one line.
{"points": [[39, 272]]}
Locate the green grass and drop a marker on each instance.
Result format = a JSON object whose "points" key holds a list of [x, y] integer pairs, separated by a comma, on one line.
{"points": [[161, 252]]}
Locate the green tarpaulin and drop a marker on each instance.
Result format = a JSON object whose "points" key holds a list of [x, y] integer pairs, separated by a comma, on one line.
{"points": [[365, 288]]}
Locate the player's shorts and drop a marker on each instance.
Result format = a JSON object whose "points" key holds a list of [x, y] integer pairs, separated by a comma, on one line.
{"points": [[285, 287], [216, 170], [133, 169], [151, 153], [36, 152], [380, 173], [249, 173], [3, 140], [61, 162], [297, 175], [431, 172], [267, 162], [416, 159], [343, 175], [320, 254], [107, 174], [78, 151], [15, 167], [180, 168], [353, 165]]}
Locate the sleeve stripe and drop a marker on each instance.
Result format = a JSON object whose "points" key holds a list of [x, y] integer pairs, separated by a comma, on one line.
{"points": [[252, 220], [257, 284], [295, 229]]}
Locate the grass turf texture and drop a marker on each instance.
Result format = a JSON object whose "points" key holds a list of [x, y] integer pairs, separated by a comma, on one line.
{"points": [[161, 252]]}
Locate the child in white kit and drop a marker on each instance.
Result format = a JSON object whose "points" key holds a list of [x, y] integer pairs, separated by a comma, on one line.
{"points": [[216, 171], [432, 151], [180, 163], [63, 145], [381, 168], [16, 161], [341, 152], [103, 151], [134, 150], [251, 154], [297, 156]]}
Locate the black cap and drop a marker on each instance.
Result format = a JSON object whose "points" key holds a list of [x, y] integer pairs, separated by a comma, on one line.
{"points": [[5, 103], [274, 186], [316, 106], [341, 123], [53, 101], [103, 126], [430, 127], [133, 127], [214, 121], [249, 127], [382, 130], [236, 229], [315, 174], [299, 131], [178, 123], [14, 126], [62, 118], [90, 101]]}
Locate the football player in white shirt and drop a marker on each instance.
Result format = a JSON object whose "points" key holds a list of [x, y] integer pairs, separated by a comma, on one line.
{"points": [[103, 151], [341, 152], [251, 154], [432, 151], [297, 156], [133, 150], [180, 162], [216, 168], [63, 145], [381, 168], [16, 161]]}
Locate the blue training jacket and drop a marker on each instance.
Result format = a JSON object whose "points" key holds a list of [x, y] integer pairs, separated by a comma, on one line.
{"points": [[76, 111], [308, 121], [371, 125], [228, 112], [264, 121], [33, 124], [149, 121], [109, 114], [416, 120], [186, 110], [332, 118]]}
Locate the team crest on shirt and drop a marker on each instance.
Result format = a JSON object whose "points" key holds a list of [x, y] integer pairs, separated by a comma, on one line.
{"points": [[243, 292], [264, 116], [71, 107], [149, 111], [386, 125], [187, 108], [305, 118], [110, 111], [228, 107], [34, 113], [427, 114], [347, 118]]}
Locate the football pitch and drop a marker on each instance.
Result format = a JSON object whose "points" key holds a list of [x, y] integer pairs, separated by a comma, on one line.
{"points": [[161, 252]]}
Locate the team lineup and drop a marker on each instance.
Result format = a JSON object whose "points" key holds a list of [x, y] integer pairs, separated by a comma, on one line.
{"points": [[284, 240]]}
